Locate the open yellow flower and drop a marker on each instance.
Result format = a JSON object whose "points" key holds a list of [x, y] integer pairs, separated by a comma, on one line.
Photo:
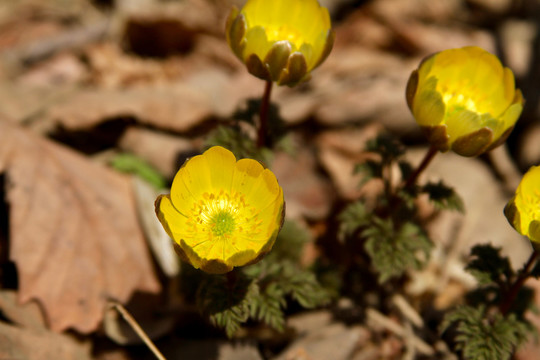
{"points": [[280, 40], [222, 213], [523, 210], [465, 100]]}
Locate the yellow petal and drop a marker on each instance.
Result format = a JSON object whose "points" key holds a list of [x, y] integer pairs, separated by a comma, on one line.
{"points": [[173, 221], [462, 122], [428, 108], [256, 43], [222, 163]]}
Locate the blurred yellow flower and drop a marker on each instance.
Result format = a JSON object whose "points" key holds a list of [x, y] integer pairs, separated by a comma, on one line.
{"points": [[280, 40], [465, 100], [523, 211], [222, 213]]}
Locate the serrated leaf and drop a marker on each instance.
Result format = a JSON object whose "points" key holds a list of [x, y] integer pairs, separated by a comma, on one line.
{"points": [[483, 338], [394, 251], [231, 137], [387, 146], [267, 307], [535, 272], [443, 197], [227, 302], [353, 217], [370, 169], [488, 266], [405, 168]]}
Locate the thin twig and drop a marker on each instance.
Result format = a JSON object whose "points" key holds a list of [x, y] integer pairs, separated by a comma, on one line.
{"points": [[137, 328]]}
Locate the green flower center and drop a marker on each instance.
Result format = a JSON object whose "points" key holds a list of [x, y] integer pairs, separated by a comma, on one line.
{"points": [[222, 223]]}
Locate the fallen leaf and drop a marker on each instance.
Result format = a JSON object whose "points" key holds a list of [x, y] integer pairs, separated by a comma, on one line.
{"points": [[309, 195], [22, 344], [166, 153], [28, 316], [160, 243], [74, 235], [174, 107]]}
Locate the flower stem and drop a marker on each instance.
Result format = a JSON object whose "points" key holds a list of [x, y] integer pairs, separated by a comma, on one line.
{"points": [[432, 151], [262, 134], [137, 328], [232, 277], [524, 274]]}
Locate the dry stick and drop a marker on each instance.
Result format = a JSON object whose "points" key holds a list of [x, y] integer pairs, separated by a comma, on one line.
{"points": [[524, 274], [137, 328], [263, 116], [423, 165]]}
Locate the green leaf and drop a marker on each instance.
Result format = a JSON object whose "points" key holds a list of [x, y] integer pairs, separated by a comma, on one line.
{"points": [[535, 272], [387, 146], [443, 197], [394, 251], [227, 302], [405, 168], [488, 266], [132, 164], [370, 169], [352, 218], [232, 137], [267, 307], [279, 280], [481, 337]]}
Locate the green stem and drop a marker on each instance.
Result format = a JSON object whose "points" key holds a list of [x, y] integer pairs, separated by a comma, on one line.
{"points": [[432, 151], [524, 274], [262, 134], [232, 277]]}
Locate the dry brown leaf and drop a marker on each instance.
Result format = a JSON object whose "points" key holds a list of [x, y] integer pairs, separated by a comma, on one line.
{"points": [[28, 316], [74, 235], [308, 194], [22, 344], [170, 107]]}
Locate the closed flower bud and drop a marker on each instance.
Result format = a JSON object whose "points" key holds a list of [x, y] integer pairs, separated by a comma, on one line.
{"points": [[280, 40], [523, 211], [464, 100]]}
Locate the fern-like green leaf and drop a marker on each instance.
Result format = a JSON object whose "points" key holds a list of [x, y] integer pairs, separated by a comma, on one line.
{"points": [[387, 146], [267, 307], [352, 218], [405, 168], [488, 266], [394, 251], [480, 337], [370, 169], [227, 302], [443, 197]]}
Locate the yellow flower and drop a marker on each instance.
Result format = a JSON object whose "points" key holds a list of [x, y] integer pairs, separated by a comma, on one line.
{"points": [[222, 213], [465, 100], [523, 211], [280, 40]]}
